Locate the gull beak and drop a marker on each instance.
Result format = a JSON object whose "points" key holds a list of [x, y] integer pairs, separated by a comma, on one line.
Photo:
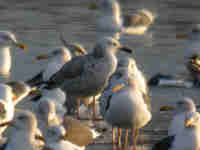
{"points": [[126, 49], [188, 123], [21, 45], [41, 138], [6, 123], [43, 56], [117, 88], [14, 97], [92, 6], [35, 91], [166, 108], [181, 36]]}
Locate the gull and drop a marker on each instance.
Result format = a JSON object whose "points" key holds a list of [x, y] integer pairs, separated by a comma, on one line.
{"points": [[180, 108], [20, 90], [56, 95], [55, 141], [188, 139], [46, 115], [192, 52], [126, 105], [7, 40], [24, 138], [110, 18], [86, 76]]}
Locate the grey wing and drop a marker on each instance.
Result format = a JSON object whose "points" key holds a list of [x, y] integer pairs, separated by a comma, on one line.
{"points": [[70, 70]]}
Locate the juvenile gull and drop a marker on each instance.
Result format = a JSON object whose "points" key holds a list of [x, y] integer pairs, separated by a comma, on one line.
{"points": [[192, 52], [188, 139], [125, 103], [111, 20], [180, 108], [7, 40], [86, 76]]}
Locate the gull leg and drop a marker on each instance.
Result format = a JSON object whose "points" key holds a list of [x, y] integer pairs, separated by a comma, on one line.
{"points": [[114, 138], [95, 117], [78, 106], [126, 140], [119, 138], [135, 134]]}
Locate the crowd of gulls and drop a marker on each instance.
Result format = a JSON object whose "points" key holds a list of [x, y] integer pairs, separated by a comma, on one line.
{"points": [[44, 112]]}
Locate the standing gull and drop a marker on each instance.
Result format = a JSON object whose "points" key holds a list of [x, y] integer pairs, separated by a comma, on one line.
{"points": [[180, 108], [86, 76], [192, 52], [126, 104], [111, 20], [188, 139], [7, 40]]}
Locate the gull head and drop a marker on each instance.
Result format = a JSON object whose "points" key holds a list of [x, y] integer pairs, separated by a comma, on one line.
{"points": [[8, 39], [60, 52], [184, 105], [109, 45], [24, 120], [192, 119]]}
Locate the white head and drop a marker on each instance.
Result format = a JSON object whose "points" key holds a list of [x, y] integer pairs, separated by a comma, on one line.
{"points": [[8, 39], [58, 53], [109, 45], [192, 119]]}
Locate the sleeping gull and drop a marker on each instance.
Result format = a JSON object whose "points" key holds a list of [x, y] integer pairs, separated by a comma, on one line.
{"points": [[127, 105], [111, 20], [188, 139], [7, 40], [192, 52], [180, 108], [24, 138], [86, 76]]}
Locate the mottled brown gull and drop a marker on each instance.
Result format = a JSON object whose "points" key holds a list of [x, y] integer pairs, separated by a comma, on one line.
{"points": [[86, 76], [192, 52]]}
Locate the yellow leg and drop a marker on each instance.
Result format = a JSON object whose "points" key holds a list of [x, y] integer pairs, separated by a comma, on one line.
{"points": [[135, 134], [78, 112], [94, 108], [114, 138], [119, 138], [126, 140]]}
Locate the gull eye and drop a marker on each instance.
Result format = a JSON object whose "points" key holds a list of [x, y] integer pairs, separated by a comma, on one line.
{"points": [[21, 117]]}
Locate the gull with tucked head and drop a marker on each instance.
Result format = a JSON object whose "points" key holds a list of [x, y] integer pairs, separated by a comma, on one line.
{"points": [[110, 18], [7, 40]]}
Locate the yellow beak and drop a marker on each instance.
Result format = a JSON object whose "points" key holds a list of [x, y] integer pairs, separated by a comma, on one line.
{"points": [[43, 56], [181, 36], [166, 108], [117, 88], [22, 46], [35, 91], [188, 123]]}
